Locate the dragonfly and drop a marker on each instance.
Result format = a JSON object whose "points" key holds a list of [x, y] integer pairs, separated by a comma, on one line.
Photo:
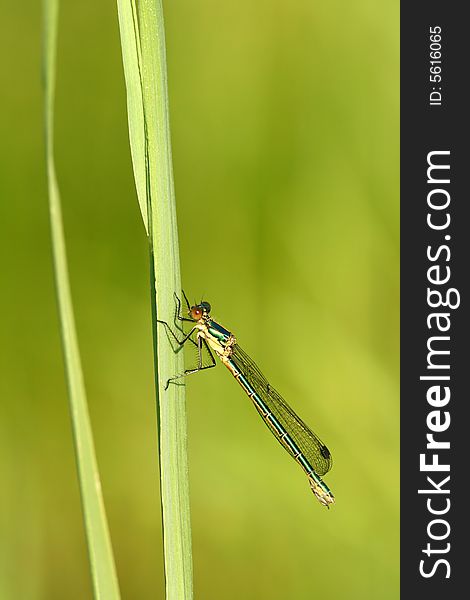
{"points": [[288, 428]]}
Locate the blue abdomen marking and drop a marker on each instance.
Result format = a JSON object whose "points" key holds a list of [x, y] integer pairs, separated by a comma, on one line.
{"points": [[305, 464], [275, 423], [291, 445]]}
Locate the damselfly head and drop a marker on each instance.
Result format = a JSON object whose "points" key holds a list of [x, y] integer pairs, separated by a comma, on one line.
{"points": [[198, 311], [206, 306]]}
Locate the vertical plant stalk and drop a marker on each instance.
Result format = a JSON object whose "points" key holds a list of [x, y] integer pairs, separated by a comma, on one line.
{"points": [[144, 59], [103, 572]]}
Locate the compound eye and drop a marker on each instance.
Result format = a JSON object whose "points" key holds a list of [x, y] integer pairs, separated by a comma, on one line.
{"points": [[206, 306], [195, 312]]}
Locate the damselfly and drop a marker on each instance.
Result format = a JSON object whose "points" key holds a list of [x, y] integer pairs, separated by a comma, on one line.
{"points": [[292, 433]]}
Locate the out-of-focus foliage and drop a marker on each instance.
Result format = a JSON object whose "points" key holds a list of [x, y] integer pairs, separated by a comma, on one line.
{"points": [[285, 145]]}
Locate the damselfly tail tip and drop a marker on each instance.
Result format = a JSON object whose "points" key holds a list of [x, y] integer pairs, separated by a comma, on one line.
{"points": [[322, 493]]}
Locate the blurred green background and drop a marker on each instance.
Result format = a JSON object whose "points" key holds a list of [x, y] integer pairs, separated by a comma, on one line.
{"points": [[285, 141]]}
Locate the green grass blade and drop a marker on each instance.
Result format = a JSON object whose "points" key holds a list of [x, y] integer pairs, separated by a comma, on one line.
{"points": [[131, 58], [143, 49], [104, 580]]}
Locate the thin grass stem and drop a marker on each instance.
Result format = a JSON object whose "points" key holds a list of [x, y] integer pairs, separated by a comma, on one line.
{"points": [[103, 572]]}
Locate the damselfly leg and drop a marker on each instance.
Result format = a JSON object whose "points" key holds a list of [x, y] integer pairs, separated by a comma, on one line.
{"points": [[188, 337], [178, 315]]}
